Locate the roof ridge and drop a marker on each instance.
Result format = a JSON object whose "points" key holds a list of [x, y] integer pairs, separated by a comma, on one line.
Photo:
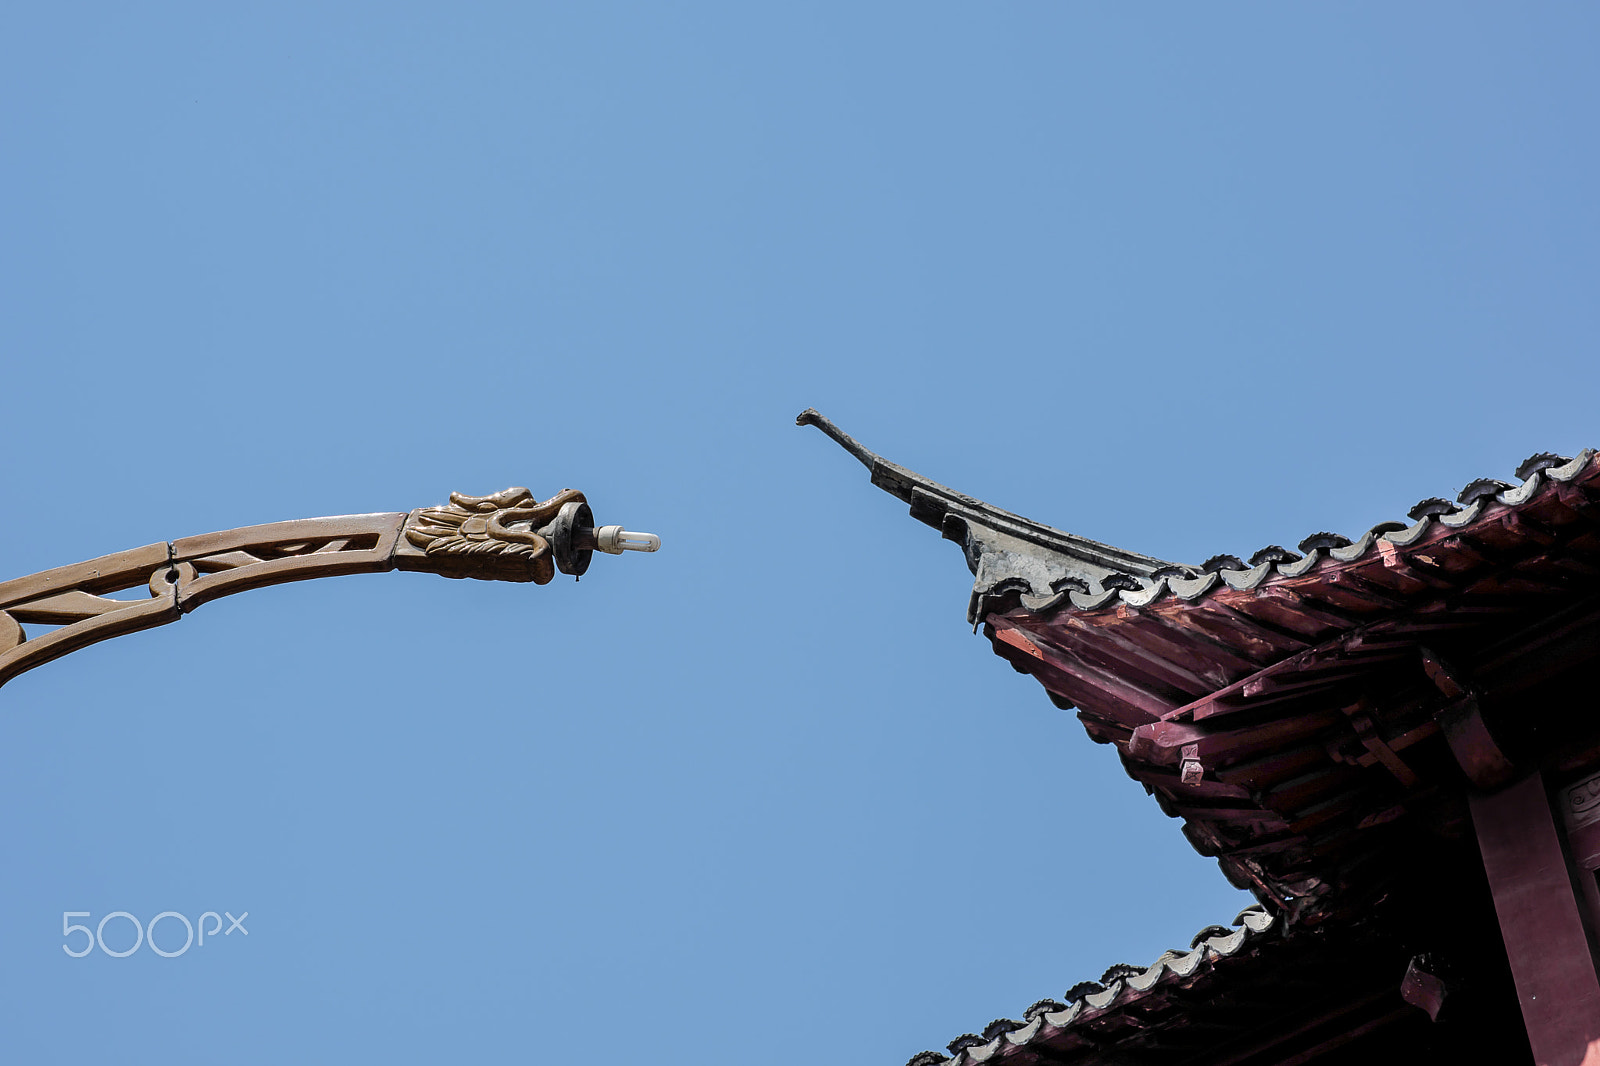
{"points": [[935, 505]]}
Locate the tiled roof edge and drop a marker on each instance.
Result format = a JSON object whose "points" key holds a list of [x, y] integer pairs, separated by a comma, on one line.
{"points": [[1091, 576], [1274, 562], [1123, 984]]}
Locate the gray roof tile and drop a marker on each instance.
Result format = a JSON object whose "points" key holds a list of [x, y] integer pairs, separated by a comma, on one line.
{"points": [[1119, 987]]}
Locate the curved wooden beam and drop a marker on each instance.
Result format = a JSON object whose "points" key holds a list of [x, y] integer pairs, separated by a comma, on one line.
{"points": [[508, 536]]}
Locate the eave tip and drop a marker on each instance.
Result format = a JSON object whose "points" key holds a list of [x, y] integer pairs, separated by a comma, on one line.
{"points": [[812, 417]]}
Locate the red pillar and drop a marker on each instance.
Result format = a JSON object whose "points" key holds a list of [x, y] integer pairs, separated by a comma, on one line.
{"points": [[1539, 919]]}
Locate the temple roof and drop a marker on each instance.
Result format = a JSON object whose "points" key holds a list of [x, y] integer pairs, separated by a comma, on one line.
{"points": [[1315, 718]]}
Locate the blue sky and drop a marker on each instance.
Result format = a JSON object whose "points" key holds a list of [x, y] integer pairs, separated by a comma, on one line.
{"points": [[1186, 280]]}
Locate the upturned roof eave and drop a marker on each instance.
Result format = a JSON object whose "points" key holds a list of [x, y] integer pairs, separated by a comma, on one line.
{"points": [[994, 540], [1210, 683]]}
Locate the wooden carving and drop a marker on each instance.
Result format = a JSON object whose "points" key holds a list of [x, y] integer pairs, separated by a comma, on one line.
{"points": [[504, 537], [495, 537]]}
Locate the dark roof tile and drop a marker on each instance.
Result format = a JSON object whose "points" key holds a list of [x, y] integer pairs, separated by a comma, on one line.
{"points": [[1223, 562], [1477, 490], [1324, 541], [1210, 931], [1118, 970], [1276, 553], [1001, 1026], [965, 1040], [1083, 988], [1540, 461], [1432, 507], [1044, 1006]]}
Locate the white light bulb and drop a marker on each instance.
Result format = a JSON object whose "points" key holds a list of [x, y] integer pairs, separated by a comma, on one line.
{"points": [[614, 540]]}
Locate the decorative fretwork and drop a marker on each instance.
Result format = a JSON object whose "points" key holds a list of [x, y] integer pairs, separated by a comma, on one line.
{"points": [[507, 536]]}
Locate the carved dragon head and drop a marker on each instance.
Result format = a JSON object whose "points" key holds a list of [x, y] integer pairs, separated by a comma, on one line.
{"points": [[504, 537]]}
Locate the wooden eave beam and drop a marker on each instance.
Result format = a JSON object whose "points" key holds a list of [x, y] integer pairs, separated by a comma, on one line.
{"points": [[1358, 585], [1275, 766], [1264, 642], [1426, 617], [1168, 781], [1286, 613], [1094, 684], [1300, 792], [1107, 648], [1162, 633]]}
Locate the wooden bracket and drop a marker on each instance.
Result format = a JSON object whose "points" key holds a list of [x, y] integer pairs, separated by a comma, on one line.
{"points": [[508, 536], [1371, 739], [1474, 747], [1461, 720]]}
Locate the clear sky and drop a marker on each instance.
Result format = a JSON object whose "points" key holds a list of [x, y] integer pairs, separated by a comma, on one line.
{"points": [[1186, 278]]}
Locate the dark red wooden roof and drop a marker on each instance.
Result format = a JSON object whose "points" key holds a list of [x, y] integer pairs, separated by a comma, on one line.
{"points": [[1334, 703], [1263, 994], [1317, 719]]}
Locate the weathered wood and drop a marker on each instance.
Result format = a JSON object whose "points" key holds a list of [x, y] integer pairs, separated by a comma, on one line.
{"points": [[1106, 718], [1326, 672], [1110, 649], [1211, 661], [1144, 706], [1352, 589], [1161, 742], [1264, 643], [1205, 653], [1290, 614]]}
